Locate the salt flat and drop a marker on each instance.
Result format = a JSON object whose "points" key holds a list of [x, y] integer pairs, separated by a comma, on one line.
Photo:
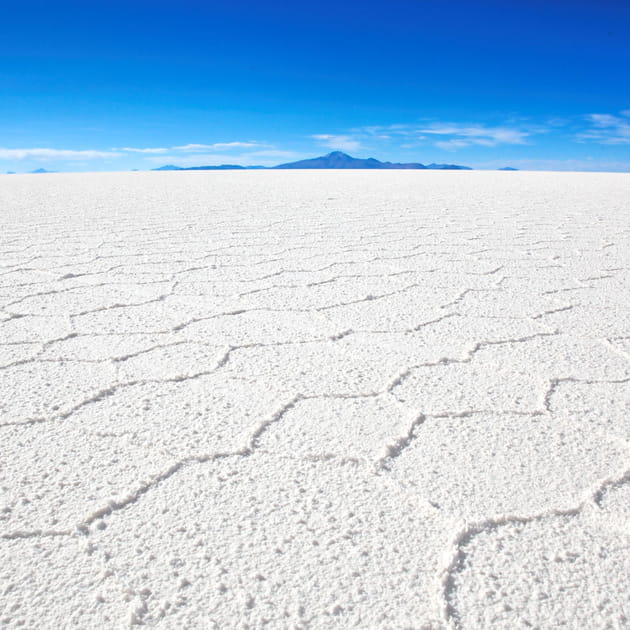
{"points": [[394, 399]]}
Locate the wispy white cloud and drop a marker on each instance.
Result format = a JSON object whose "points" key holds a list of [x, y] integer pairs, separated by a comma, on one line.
{"points": [[195, 147], [377, 130], [55, 154], [481, 135], [219, 146], [147, 150], [451, 145], [607, 129], [451, 136], [342, 142], [253, 149]]}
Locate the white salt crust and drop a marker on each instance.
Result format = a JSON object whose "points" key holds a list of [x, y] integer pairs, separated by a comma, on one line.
{"points": [[315, 400]]}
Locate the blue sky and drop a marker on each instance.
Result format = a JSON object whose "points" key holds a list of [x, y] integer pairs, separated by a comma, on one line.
{"points": [[111, 85]]}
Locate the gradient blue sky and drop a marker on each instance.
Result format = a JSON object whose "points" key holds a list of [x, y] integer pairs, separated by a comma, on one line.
{"points": [[110, 85]]}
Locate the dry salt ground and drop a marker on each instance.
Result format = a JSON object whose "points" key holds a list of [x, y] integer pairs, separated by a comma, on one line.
{"points": [[315, 400]]}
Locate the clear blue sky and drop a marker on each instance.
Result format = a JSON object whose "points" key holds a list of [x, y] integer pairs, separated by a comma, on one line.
{"points": [[110, 85]]}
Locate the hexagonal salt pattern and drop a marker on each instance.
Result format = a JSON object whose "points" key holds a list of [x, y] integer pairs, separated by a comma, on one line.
{"points": [[315, 400]]}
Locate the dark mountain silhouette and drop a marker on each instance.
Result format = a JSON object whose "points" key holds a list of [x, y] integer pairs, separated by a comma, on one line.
{"points": [[337, 159], [334, 160]]}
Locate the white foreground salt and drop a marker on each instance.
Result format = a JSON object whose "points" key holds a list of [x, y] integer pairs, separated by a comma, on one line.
{"points": [[315, 400]]}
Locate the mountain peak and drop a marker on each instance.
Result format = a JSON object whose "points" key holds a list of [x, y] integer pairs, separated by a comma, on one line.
{"points": [[341, 160]]}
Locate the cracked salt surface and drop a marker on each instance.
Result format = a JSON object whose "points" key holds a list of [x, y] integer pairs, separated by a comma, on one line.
{"points": [[315, 400]]}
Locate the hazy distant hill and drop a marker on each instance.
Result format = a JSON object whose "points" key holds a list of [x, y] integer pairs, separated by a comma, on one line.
{"points": [[337, 159], [334, 160], [508, 168], [220, 167], [448, 167]]}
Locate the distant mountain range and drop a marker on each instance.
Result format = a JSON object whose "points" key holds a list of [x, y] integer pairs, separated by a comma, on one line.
{"points": [[337, 159], [334, 160]]}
